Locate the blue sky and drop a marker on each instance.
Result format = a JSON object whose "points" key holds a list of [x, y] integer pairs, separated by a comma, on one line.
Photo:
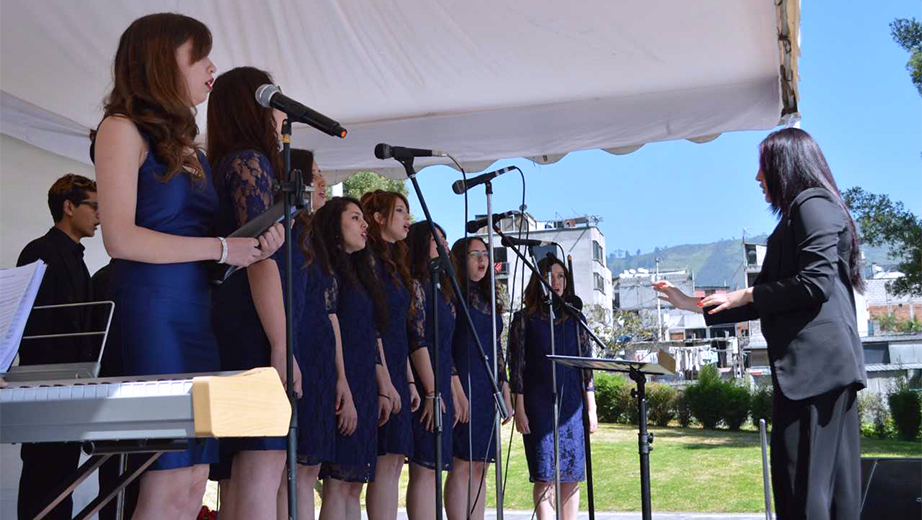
{"points": [[856, 99]]}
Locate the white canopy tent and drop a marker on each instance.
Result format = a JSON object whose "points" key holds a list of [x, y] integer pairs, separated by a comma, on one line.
{"points": [[483, 79]]}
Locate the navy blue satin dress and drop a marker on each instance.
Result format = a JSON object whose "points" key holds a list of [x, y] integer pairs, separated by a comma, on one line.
{"points": [[244, 184], [530, 370], [163, 311], [396, 435], [314, 298], [356, 455], [477, 440], [423, 333]]}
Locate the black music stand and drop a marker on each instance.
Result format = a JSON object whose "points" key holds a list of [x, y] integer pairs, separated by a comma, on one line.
{"points": [[637, 371]]}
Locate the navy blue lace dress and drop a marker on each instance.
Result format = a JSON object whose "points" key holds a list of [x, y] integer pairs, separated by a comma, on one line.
{"points": [[356, 455], [244, 183], [396, 435], [314, 298], [163, 311], [422, 333], [477, 440], [530, 375]]}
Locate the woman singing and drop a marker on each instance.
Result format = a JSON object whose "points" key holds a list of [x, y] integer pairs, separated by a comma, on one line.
{"points": [[388, 217], [531, 376], [805, 301], [249, 315], [361, 311], [423, 333], [161, 206], [475, 441]]}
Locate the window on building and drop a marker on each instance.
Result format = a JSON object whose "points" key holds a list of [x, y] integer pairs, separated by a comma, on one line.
{"points": [[752, 256], [500, 262], [751, 279], [599, 282], [597, 253]]}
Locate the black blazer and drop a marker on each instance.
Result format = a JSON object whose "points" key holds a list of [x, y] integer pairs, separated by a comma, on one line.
{"points": [[804, 299], [66, 280]]}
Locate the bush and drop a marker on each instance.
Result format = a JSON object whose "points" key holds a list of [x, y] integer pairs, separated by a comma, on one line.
{"points": [[906, 410], [874, 417], [612, 397], [761, 405], [735, 401], [661, 404], [683, 410], [705, 396]]}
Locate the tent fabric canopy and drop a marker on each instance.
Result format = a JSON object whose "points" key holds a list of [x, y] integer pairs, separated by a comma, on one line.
{"points": [[482, 79]]}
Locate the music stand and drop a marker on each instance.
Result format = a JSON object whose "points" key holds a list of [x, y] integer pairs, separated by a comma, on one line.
{"points": [[637, 371]]}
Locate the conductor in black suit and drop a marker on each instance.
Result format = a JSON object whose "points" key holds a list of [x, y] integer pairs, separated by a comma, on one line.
{"points": [[805, 301], [72, 201]]}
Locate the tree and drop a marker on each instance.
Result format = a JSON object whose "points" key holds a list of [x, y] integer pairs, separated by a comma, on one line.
{"points": [[615, 329], [882, 221], [362, 182], [907, 33]]}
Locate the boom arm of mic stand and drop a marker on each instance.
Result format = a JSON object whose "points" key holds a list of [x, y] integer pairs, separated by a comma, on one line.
{"points": [[447, 267]]}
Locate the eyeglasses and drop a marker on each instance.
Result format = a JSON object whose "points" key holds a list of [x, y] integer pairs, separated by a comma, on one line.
{"points": [[94, 205], [477, 255]]}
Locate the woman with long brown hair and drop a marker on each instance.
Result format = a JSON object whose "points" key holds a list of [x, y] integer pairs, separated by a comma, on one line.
{"points": [[160, 206], [388, 217], [530, 376], [249, 314]]}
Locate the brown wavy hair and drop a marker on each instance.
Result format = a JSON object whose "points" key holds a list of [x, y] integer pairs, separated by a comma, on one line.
{"points": [[534, 296], [417, 240], [459, 251], [236, 122], [148, 89], [394, 258]]}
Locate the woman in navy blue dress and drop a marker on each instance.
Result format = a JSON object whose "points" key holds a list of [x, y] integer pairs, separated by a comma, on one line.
{"points": [[475, 439], [249, 314], [361, 313], [388, 217], [423, 333], [530, 378], [160, 208]]}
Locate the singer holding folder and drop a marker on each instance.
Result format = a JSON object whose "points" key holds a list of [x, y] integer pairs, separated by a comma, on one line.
{"points": [[805, 301], [160, 209]]}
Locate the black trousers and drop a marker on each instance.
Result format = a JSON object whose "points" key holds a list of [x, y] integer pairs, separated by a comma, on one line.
{"points": [[816, 457], [45, 466]]}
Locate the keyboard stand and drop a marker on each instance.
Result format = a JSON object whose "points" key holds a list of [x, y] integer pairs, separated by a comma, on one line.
{"points": [[100, 452]]}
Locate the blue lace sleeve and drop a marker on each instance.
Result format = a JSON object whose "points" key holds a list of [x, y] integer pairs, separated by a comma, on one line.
{"points": [[248, 177], [416, 318], [585, 350], [331, 295], [517, 353]]}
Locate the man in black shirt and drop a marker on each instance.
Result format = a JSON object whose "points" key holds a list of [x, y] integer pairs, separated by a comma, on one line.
{"points": [[73, 205]]}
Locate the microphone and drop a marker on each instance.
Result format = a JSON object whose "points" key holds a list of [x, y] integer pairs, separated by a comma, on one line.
{"points": [[270, 96], [460, 186], [386, 151], [474, 225], [527, 242], [576, 302]]}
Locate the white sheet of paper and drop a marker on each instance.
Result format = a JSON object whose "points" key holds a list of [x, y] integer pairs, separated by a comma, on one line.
{"points": [[18, 289]]}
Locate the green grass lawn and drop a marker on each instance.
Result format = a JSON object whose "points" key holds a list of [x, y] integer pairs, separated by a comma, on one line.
{"points": [[691, 470]]}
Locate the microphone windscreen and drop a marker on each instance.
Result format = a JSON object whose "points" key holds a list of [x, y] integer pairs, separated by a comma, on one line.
{"points": [[383, 151]]}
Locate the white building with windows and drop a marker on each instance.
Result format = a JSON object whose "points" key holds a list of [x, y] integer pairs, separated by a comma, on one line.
{"points": [[578, 237]]}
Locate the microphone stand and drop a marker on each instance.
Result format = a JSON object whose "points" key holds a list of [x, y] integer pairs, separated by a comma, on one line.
{"points": [[547, 289], [497, 419], [292, 190], [590, 493], [444, 264]]}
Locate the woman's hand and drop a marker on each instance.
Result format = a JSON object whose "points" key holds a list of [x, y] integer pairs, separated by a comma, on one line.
{"points": [[394, 396], [461, 405], [508, 400], [279, 359], [271, 241], [242, 252], [521, 422], [593, 420], [384, 409], [414, 398], [677, 298], [346, 416], [724, 301], [427, 417]]}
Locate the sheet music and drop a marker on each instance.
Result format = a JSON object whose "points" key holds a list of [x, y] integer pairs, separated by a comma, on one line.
{"points": [[18, 289]]}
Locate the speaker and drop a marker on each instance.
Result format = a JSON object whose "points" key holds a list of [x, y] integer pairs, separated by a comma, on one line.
{"points": [[891, 489]]}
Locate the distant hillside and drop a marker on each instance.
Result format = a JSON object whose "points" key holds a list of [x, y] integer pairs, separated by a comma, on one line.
{"points": [[713, 263]]}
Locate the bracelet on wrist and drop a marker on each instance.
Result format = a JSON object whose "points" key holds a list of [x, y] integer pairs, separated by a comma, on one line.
{"points": [[411, 382], [384, 396], [223, 258]]}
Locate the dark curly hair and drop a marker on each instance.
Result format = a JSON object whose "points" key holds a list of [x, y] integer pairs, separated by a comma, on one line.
{"points": [[459, 251], [418, 239]]}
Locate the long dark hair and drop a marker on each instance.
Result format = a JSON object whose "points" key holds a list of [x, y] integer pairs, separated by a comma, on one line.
{"points": [[394, 258], [325, 236], [237, 122], [534, 296], [417, 240], [147, 87], [791, 162], [459, 251]]}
